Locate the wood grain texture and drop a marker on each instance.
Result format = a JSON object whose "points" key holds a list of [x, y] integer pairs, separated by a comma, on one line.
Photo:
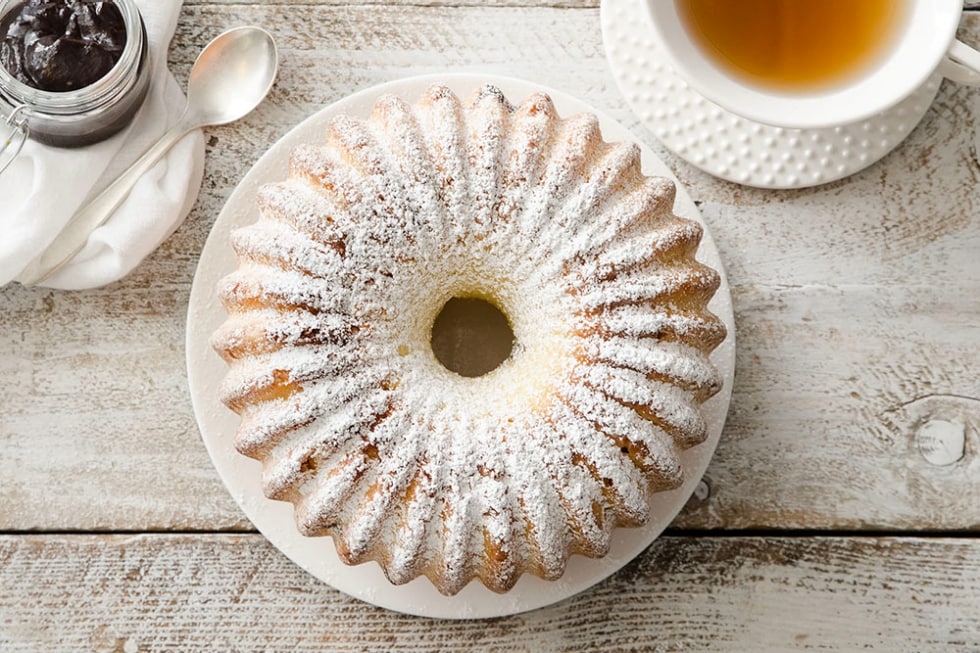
{"points": [[856, 403], [237, 593], [856, 303]]}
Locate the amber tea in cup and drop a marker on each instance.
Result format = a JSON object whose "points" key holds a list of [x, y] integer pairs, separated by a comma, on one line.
{"points": [[810, 64], [794, 45]]}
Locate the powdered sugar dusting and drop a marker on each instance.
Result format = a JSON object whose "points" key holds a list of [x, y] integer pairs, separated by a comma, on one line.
{"points": [[396, 457]]}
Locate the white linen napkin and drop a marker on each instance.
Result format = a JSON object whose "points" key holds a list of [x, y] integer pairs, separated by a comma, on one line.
{"points": [[44, 186]]}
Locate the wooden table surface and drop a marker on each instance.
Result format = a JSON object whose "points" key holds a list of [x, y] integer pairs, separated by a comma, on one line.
{"points": [[826, 523]]}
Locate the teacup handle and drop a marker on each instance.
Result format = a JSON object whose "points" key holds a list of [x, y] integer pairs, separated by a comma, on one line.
{"points": [[962, 64]]}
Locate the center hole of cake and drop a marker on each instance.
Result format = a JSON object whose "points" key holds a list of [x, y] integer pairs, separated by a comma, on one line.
{"points": [[471, 336]]}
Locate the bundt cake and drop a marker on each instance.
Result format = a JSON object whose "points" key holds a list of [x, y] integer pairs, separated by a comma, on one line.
{"points": [[468, 340]]}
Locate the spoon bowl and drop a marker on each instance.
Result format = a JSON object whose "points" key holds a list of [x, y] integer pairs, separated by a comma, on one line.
{"points": [[231, 76]]}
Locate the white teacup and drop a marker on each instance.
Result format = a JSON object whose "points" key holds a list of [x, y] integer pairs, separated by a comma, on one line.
{"points": [[925, 43]]}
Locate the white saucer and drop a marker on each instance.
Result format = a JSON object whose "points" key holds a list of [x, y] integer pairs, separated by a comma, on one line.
{"points": [[274, 519], [728, 146]]}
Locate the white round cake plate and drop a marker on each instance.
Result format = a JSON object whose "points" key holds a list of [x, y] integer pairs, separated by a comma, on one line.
{"points": [[274, 519], [726, 145]]}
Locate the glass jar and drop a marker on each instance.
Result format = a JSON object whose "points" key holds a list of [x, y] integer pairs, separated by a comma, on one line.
{"points": [[89, 114]]}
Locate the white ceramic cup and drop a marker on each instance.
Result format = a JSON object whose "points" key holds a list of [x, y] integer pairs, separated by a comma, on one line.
{"points": [[926, 43]]}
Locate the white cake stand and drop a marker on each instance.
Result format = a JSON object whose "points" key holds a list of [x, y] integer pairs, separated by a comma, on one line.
{"points": [[274, 519]]}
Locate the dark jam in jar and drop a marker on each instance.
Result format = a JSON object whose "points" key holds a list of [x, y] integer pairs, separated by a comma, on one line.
{"points": [[77, 69], [62, 45]]}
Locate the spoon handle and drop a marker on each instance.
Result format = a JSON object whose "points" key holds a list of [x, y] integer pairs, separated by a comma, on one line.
{"points": [[72, 239]]}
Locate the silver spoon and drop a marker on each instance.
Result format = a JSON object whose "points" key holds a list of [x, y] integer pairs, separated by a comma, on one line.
{"points": [[231, 77]]}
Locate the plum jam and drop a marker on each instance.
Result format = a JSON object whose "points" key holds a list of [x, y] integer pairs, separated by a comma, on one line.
{"points": [[61, 46], [78, 68]]}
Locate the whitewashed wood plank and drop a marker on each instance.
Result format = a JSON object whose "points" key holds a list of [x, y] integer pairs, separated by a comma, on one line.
{"points": [[838, 392], [96, 430], [856, 305], [907, 220], [236, 593], [820, 435]]}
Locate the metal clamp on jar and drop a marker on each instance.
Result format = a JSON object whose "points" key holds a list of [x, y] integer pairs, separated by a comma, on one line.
{"points": [[51, 86]]}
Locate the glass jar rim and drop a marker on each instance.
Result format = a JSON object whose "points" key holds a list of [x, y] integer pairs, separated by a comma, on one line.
{"points": [[88, 97]]}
